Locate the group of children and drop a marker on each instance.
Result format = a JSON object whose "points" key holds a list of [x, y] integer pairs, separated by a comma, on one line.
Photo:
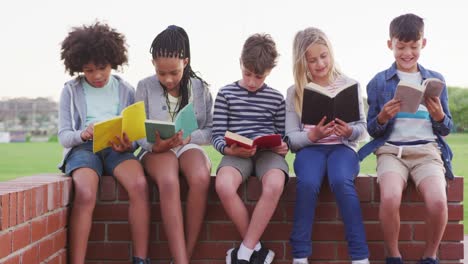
{"points": [[406, 145]]}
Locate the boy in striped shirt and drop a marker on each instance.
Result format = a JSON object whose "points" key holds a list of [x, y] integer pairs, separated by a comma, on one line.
{"points": [[251, 108]]}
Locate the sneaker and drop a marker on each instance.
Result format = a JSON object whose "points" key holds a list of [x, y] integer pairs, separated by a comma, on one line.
{"points": [[393, 260], [263, 256], [137, 260], [300, 261], [231, 257], [428, 261]]}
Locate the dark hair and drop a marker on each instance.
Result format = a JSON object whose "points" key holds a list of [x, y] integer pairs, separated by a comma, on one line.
{"points": [[408, 27], [96, 43], [173, 42], [259, 53]]}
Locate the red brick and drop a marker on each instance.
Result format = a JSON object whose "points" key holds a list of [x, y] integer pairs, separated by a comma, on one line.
{"points": [[455, 212], [13, 209], [5, 241], [108, 251], [455, 190], [60, 240], [39, 200], [364, 188], [211, 250], [53, 222], [31, 255], [27, 205], [324, 251], [155, 212], [38, 228], [12, 260], [451, 251], [453, 232], [118, 232], [215, 212], [67, 192], [108, 190], [46, 248], [377, 251], [111, 212], [20, 207], [159, 251], [278, 248], [4, 211], [412, 250], [412, 212], [21, 237], [223, 232], [98, 231], [370, 212]]}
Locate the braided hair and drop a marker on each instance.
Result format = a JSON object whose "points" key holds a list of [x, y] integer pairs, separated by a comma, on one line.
{"points": [[173, 42]]}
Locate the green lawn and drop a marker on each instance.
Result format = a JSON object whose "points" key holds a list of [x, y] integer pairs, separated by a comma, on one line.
{"points": [[23, 159]]}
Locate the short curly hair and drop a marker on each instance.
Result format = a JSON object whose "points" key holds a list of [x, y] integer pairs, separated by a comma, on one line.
{"points": [[97, 43]]}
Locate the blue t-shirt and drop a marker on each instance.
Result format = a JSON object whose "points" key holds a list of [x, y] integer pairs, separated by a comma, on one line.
{"points": [[101, 103]]}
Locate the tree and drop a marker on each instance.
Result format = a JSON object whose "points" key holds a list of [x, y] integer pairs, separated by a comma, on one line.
{"points": [[458, 103]]}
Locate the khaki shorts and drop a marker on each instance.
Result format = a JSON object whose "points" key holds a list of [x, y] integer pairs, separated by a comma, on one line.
{"points": [[417, 162], [257, 165]]}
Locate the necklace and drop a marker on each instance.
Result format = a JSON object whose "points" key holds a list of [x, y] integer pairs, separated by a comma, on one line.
{"points": [[172, 114]]}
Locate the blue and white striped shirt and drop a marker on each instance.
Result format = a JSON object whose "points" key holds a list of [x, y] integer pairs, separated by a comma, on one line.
{"points": [[250, 114]]}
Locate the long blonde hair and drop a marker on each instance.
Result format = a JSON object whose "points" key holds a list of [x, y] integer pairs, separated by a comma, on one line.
{"points": [[302, 41]]}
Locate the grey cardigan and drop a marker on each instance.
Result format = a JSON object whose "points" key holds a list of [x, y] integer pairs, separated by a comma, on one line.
{"points": [[72, 113], [297, 137], [151, 92]]}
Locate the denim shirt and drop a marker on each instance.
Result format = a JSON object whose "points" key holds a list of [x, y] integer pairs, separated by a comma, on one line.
{"points": [[380, 90]]}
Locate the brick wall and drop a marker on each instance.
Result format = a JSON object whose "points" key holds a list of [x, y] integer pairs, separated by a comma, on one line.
{"points": [[33, 220], [33, 215], [110, 238]]}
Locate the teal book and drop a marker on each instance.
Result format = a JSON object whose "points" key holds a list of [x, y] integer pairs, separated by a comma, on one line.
{"points": [[185, 120]]}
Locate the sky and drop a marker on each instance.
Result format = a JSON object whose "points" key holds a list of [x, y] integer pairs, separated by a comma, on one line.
{"points": [[32, 31]]}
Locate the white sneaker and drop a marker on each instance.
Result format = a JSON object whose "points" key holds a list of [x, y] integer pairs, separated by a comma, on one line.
{"points": [[228, 255], [300, 261], [362, 261], [263, 256]]}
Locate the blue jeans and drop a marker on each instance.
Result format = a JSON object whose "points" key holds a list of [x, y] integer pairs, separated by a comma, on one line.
{"points": [[340, 163]]}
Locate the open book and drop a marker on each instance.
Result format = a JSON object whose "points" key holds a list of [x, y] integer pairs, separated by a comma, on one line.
{"points": [[319, 102], [411, 95], [131, 121], [185, 120], [266, 141]]}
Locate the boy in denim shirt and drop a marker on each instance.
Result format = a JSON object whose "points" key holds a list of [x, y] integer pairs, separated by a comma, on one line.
{"points": [[409, 145]]}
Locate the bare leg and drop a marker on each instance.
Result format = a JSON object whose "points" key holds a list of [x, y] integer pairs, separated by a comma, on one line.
{"points": [[391, 188], [85, 182], [196, 169], [435, 199], [228, 181], [131, 176], [163, 168], [272, 188]]}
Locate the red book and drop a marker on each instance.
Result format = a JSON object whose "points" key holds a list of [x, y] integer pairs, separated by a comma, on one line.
{"points": [[266, 141]]}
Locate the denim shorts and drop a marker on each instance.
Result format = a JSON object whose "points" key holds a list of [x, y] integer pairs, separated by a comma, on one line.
{"points": [[104, 161]]}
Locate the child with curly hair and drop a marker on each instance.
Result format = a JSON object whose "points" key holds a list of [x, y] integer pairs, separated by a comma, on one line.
{"points": [[93, 96]]}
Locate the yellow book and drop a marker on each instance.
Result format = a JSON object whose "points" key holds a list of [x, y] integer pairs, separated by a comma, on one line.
{"points": [[131, 121]]}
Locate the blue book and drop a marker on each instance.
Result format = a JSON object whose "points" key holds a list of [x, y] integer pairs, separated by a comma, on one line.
{"points": [[185, 120]]}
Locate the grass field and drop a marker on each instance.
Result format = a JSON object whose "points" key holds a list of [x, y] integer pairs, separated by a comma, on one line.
{"points": [[23, 159]]}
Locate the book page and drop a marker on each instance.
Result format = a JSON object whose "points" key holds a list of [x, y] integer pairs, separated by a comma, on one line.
{"points": [[186, 120], [434, 87], [410, 96], [133, 122], [106, 131], [233, 138]]}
